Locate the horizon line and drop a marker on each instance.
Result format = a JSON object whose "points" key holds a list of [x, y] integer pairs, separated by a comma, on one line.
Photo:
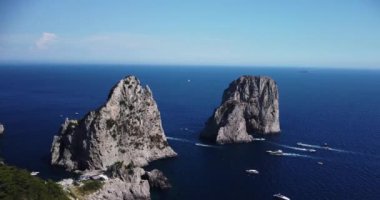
{"points": [[118, 64]]}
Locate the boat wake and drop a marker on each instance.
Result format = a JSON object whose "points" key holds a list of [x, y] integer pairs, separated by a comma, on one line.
{"points": [[296, 155], [293, 148], [322, 147], [206, 145], [191, 142], [180, 140], [187, 130], [336, 150], [297, 148]]}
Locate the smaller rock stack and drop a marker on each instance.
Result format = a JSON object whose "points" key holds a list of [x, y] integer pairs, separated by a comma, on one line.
{"points": [[249, 105]]}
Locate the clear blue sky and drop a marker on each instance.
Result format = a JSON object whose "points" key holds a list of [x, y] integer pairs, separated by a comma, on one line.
{"points": [[326, 33]]}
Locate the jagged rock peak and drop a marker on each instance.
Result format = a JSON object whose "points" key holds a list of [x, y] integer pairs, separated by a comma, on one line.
{"points": [[249, 105], [127, 128]]}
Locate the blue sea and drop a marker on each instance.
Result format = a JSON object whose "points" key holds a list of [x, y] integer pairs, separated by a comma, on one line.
{"points": [[340, 107]]}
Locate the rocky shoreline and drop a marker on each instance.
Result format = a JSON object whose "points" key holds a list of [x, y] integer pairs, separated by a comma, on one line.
{"points": [[117, 182]]}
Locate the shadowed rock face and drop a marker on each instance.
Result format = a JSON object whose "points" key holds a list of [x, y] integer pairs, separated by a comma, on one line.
{"points": [[158, 180], [127, 128], [249, 105]]}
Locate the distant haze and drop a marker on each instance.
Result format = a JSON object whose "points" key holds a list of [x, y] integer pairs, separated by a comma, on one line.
{"points": [[323, 33]]}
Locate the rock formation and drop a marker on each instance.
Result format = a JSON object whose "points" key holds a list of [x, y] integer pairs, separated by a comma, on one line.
{"points": [[126, 129], [125, 184], [120, 182], [249, 105], [158, 180], [1, 128]]}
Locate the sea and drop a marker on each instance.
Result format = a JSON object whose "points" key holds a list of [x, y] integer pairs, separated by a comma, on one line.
{"points": [[340, 107]]}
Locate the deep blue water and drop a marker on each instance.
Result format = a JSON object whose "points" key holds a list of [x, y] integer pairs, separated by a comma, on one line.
{"points": [[340, 107]]}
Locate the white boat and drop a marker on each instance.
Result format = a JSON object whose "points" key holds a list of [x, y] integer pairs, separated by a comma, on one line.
{"points": [[276, 153], [280, 196], [320, 163], [311, 150], [300, 144], [34, 173], [252, 171], [100, 177], [258, 139]]}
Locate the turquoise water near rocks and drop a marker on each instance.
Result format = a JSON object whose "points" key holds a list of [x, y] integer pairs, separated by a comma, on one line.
{"points": [[335, 106]]}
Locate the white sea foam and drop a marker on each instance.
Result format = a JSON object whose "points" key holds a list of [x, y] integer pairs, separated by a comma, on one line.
{"points": [[296, 155], [187, 130], [179, 139], [291, 147], [335, 150], [191, 142], [323, 147], [310, 145], [206, 145], [297, 148]]}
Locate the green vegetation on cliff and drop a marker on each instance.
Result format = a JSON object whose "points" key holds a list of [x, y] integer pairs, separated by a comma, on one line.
{"points": [[90, 186], [19, 184]]}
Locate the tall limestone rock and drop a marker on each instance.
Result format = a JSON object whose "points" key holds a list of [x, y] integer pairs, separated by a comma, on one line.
{"points": [[127, 128], [249, 105]]}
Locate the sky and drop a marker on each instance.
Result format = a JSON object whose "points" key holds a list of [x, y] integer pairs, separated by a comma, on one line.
{"points": [[322, 33]]}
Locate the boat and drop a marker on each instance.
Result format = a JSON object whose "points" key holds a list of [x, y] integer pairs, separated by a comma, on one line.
{"points": [[320, 163], [276, 153], [327, 148], [258, 139], [311, 150], [34, 173], [100, 177], [280, 196], [252, 171]]}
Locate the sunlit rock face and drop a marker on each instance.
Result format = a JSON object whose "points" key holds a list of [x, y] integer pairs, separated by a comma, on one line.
{"points": [[249, 105], [127, 128]]}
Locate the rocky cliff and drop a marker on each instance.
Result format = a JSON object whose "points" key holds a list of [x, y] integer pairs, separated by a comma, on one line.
{"points": [[249, 105], [124, 184], [118, 182], [127, 128]]}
